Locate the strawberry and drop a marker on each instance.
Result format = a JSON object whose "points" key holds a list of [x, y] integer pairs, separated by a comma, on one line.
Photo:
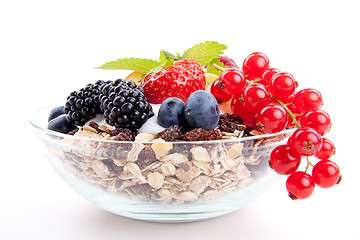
{"points": [[178, 80]]}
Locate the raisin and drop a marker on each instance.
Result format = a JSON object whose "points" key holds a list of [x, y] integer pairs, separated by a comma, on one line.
{"points": [[227, 126], [193, 135], [122, 137], [231, 117], [230, 122], [126, 131], [113, 167], [170, 134], [95, 126], [73, 131], [211, 135], [146, 157], [142, 189]]}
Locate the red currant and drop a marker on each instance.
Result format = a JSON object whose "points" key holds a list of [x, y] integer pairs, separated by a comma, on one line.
{"points": [[326, 151], [306, 141], [300, 185], [219, 92], [272, 118], [233, 81], [318, 120], [326, 173], [308, 100], [255, 97], [267, 75], [284, 160], [238, 108], [255, 65], [282, 85]]}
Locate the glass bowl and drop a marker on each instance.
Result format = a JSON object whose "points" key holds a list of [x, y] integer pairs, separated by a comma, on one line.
{"points": [[161, 181]]}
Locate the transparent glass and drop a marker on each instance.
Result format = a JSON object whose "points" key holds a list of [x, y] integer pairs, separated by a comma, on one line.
{"points": [[161, 181]]}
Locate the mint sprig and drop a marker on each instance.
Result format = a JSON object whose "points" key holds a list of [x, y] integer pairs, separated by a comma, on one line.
{"points": [[202, 53], [205, 52], [136, 64]]}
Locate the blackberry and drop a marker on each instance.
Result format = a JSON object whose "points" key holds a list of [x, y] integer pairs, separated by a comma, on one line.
{"points": [[83, 105], [124, 104]]}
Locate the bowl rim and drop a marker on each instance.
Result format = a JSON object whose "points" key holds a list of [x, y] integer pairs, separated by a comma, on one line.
{"points": [[48, 132]]}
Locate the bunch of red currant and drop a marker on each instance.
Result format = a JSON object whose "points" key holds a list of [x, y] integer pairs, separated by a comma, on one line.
{"points": [[266, 99]]}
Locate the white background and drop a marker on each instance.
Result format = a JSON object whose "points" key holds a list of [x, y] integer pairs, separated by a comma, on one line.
{"points": [[50, 48]]}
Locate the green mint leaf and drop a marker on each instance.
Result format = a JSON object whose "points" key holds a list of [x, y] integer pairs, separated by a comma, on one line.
{"points": [[205, 52], [165, 55], [216, 67], [166, 64], [136, 64]]}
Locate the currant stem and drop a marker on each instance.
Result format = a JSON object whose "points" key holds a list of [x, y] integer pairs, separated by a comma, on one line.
{"points": [[254, 81], [293, 117], [307, 164]]}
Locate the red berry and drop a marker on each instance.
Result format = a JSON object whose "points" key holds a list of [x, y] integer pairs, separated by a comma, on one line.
{"points": [[219, 92], [326, 173], [227, 61], [284, 160], [255, 97], [282, 85], [326, 151], [272, 118], [318, 120], [306, 141], [233, 81], [178, 80], [308, 100], [255, 65], [267, 75], [300, 185], [238, 108]]}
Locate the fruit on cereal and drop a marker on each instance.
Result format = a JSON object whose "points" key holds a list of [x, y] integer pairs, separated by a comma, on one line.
{"points": [[83, 105], [255, 65], [124, 104], [61, 124], [178, 80], [233, 81], [171, 112], [227, 61], [202, 110], [57, 111], [270, 103], [219, 92], [172, 75]]}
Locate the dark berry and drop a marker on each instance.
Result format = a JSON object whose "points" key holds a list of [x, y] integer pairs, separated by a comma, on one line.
{"points": [[124, 104], [83, 105], [56, 112], [61, 124], [171, 112], [202, 110]]}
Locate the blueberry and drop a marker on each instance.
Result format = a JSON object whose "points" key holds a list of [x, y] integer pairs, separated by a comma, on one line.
{"points": [[56, 112], [171, 112], [202, 110], [61, 124]]}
